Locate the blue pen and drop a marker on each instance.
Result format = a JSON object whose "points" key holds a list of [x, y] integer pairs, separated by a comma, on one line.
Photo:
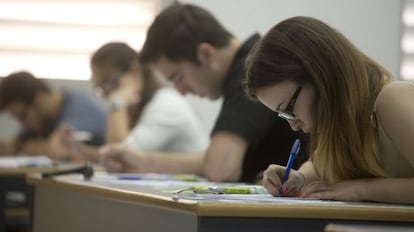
{"points": [[129, 178], [293, 153], [159, 177]]}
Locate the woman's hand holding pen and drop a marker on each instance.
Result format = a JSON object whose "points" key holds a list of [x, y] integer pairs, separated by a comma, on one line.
{"points": [[272, 181], [351, 190]]}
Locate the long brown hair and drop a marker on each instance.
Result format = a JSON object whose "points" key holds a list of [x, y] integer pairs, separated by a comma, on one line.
{"points": [[346, 83], [121, 57]]}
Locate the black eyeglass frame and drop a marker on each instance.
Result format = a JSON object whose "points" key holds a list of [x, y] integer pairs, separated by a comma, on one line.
{"points": [[287, 113]]}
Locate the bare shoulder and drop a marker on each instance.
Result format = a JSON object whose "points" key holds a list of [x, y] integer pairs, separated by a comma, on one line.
{"points": [[395, 108], [395, 113], [395, 95], [396, 87]]}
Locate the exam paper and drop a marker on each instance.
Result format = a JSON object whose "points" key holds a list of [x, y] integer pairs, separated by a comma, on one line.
{"points": [[255, 198], [24, 161]]}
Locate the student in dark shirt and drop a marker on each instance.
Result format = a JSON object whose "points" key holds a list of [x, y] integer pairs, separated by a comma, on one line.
{"points": [[195, 52]]}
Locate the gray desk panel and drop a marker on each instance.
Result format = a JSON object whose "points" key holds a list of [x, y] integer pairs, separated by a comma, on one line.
{"points": [[226, 224], [69, 211]]}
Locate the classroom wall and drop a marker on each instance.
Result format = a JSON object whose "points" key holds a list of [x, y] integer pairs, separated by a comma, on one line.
{"points": [[372, 25]]}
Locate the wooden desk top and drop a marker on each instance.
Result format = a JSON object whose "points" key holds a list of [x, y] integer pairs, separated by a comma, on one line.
{"points": [[352, 211], [22, 171], [25, 170]]}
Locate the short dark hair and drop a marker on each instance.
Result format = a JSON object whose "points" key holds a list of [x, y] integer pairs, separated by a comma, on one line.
{"points": [[20, 87], [178, 30], [115, 54]]}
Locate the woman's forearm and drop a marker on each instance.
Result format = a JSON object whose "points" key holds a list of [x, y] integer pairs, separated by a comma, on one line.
{"points": [[309, 172], [118, 126]]}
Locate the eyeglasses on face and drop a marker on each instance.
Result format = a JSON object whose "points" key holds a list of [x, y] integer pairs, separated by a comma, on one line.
{"points": [[287, 113]]}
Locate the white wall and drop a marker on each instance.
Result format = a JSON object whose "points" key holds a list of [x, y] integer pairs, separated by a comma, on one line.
{"points": [[373, 25]]}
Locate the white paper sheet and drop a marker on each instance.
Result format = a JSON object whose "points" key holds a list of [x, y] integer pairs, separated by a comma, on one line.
{"points": [[24, 161]]}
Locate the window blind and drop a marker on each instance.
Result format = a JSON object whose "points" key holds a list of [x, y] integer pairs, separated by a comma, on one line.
{"points": [[407, 43], [55, 38]]}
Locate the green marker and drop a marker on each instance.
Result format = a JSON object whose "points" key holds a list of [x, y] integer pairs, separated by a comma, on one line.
{"points": [[185, 177], [229, 189], [208, 189]]}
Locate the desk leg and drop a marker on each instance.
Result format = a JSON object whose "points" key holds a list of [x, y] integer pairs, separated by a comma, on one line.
{"points": [[2, 209], [30, 200], [9, 184]]}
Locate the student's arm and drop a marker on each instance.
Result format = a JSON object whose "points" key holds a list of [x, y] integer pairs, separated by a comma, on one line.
{"points": [[125, 95], [389, 190], [64, 145], [224, 157], [38, 146], [85, 152], [395, 112], [30, 146], [57, 146], [8, 146], [221, 162], [117, 128], [309, 173], [119, 158], [47, 147]]}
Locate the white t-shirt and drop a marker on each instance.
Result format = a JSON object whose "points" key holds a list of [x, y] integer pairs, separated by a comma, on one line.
{"points": [[168, 124]]}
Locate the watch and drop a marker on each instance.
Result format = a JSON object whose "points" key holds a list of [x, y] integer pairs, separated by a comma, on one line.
{"points": [[117, 104]]}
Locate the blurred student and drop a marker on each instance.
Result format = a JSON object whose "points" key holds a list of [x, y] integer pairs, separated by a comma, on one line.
{"points": [[198, 55], [144, 113], [42, 111], [360, 120]]}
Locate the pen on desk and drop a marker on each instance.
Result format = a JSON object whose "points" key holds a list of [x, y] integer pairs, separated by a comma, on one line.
{"points": [[160, 177], [129, 178], [293, 153]]}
